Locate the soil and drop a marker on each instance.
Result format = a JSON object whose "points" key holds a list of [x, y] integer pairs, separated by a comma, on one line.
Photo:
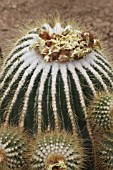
{"points": [[96, 14]]}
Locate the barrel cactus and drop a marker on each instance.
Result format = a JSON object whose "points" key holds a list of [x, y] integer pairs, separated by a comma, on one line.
{"points": [[13, 149], [101, 112], [57, 150], [48, 81], [104, 151]]}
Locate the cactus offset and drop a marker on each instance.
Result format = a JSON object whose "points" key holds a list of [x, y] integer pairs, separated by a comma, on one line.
{"points": [[102, 112], [55, 150], [13, 149], [48, 81], [104, 151], [101, 123]]}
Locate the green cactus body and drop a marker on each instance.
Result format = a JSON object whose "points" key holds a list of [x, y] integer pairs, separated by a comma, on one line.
{"points": [[102, 112], [49, 79], [104, 151], [58, 151], [101, 123], [13, 150]]}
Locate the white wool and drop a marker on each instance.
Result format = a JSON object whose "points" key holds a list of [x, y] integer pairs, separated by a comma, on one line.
{"points": [[68, 27], [48, 28], [13, 58], [102, 71], [57, 29]]}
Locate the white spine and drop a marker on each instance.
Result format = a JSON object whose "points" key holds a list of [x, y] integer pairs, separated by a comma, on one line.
{"points": [[68, 27]]}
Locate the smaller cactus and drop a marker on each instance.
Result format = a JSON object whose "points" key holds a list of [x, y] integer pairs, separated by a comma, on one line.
{"points": [[101, 121], [12, 149], [102, 112], [56, 151], [105, 151]]}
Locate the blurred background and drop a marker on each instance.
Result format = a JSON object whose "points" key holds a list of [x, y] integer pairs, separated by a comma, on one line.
{"points": [[97, 14]]}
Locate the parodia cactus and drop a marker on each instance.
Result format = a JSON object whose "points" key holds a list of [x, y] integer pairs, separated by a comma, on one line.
{"points": [[47, 82]]}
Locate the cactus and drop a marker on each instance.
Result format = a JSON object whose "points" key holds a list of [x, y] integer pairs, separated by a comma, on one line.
{"points": [[105, 151], [13, 149], [48, 81], [101, 123], [101, 112], [57, 150]]}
